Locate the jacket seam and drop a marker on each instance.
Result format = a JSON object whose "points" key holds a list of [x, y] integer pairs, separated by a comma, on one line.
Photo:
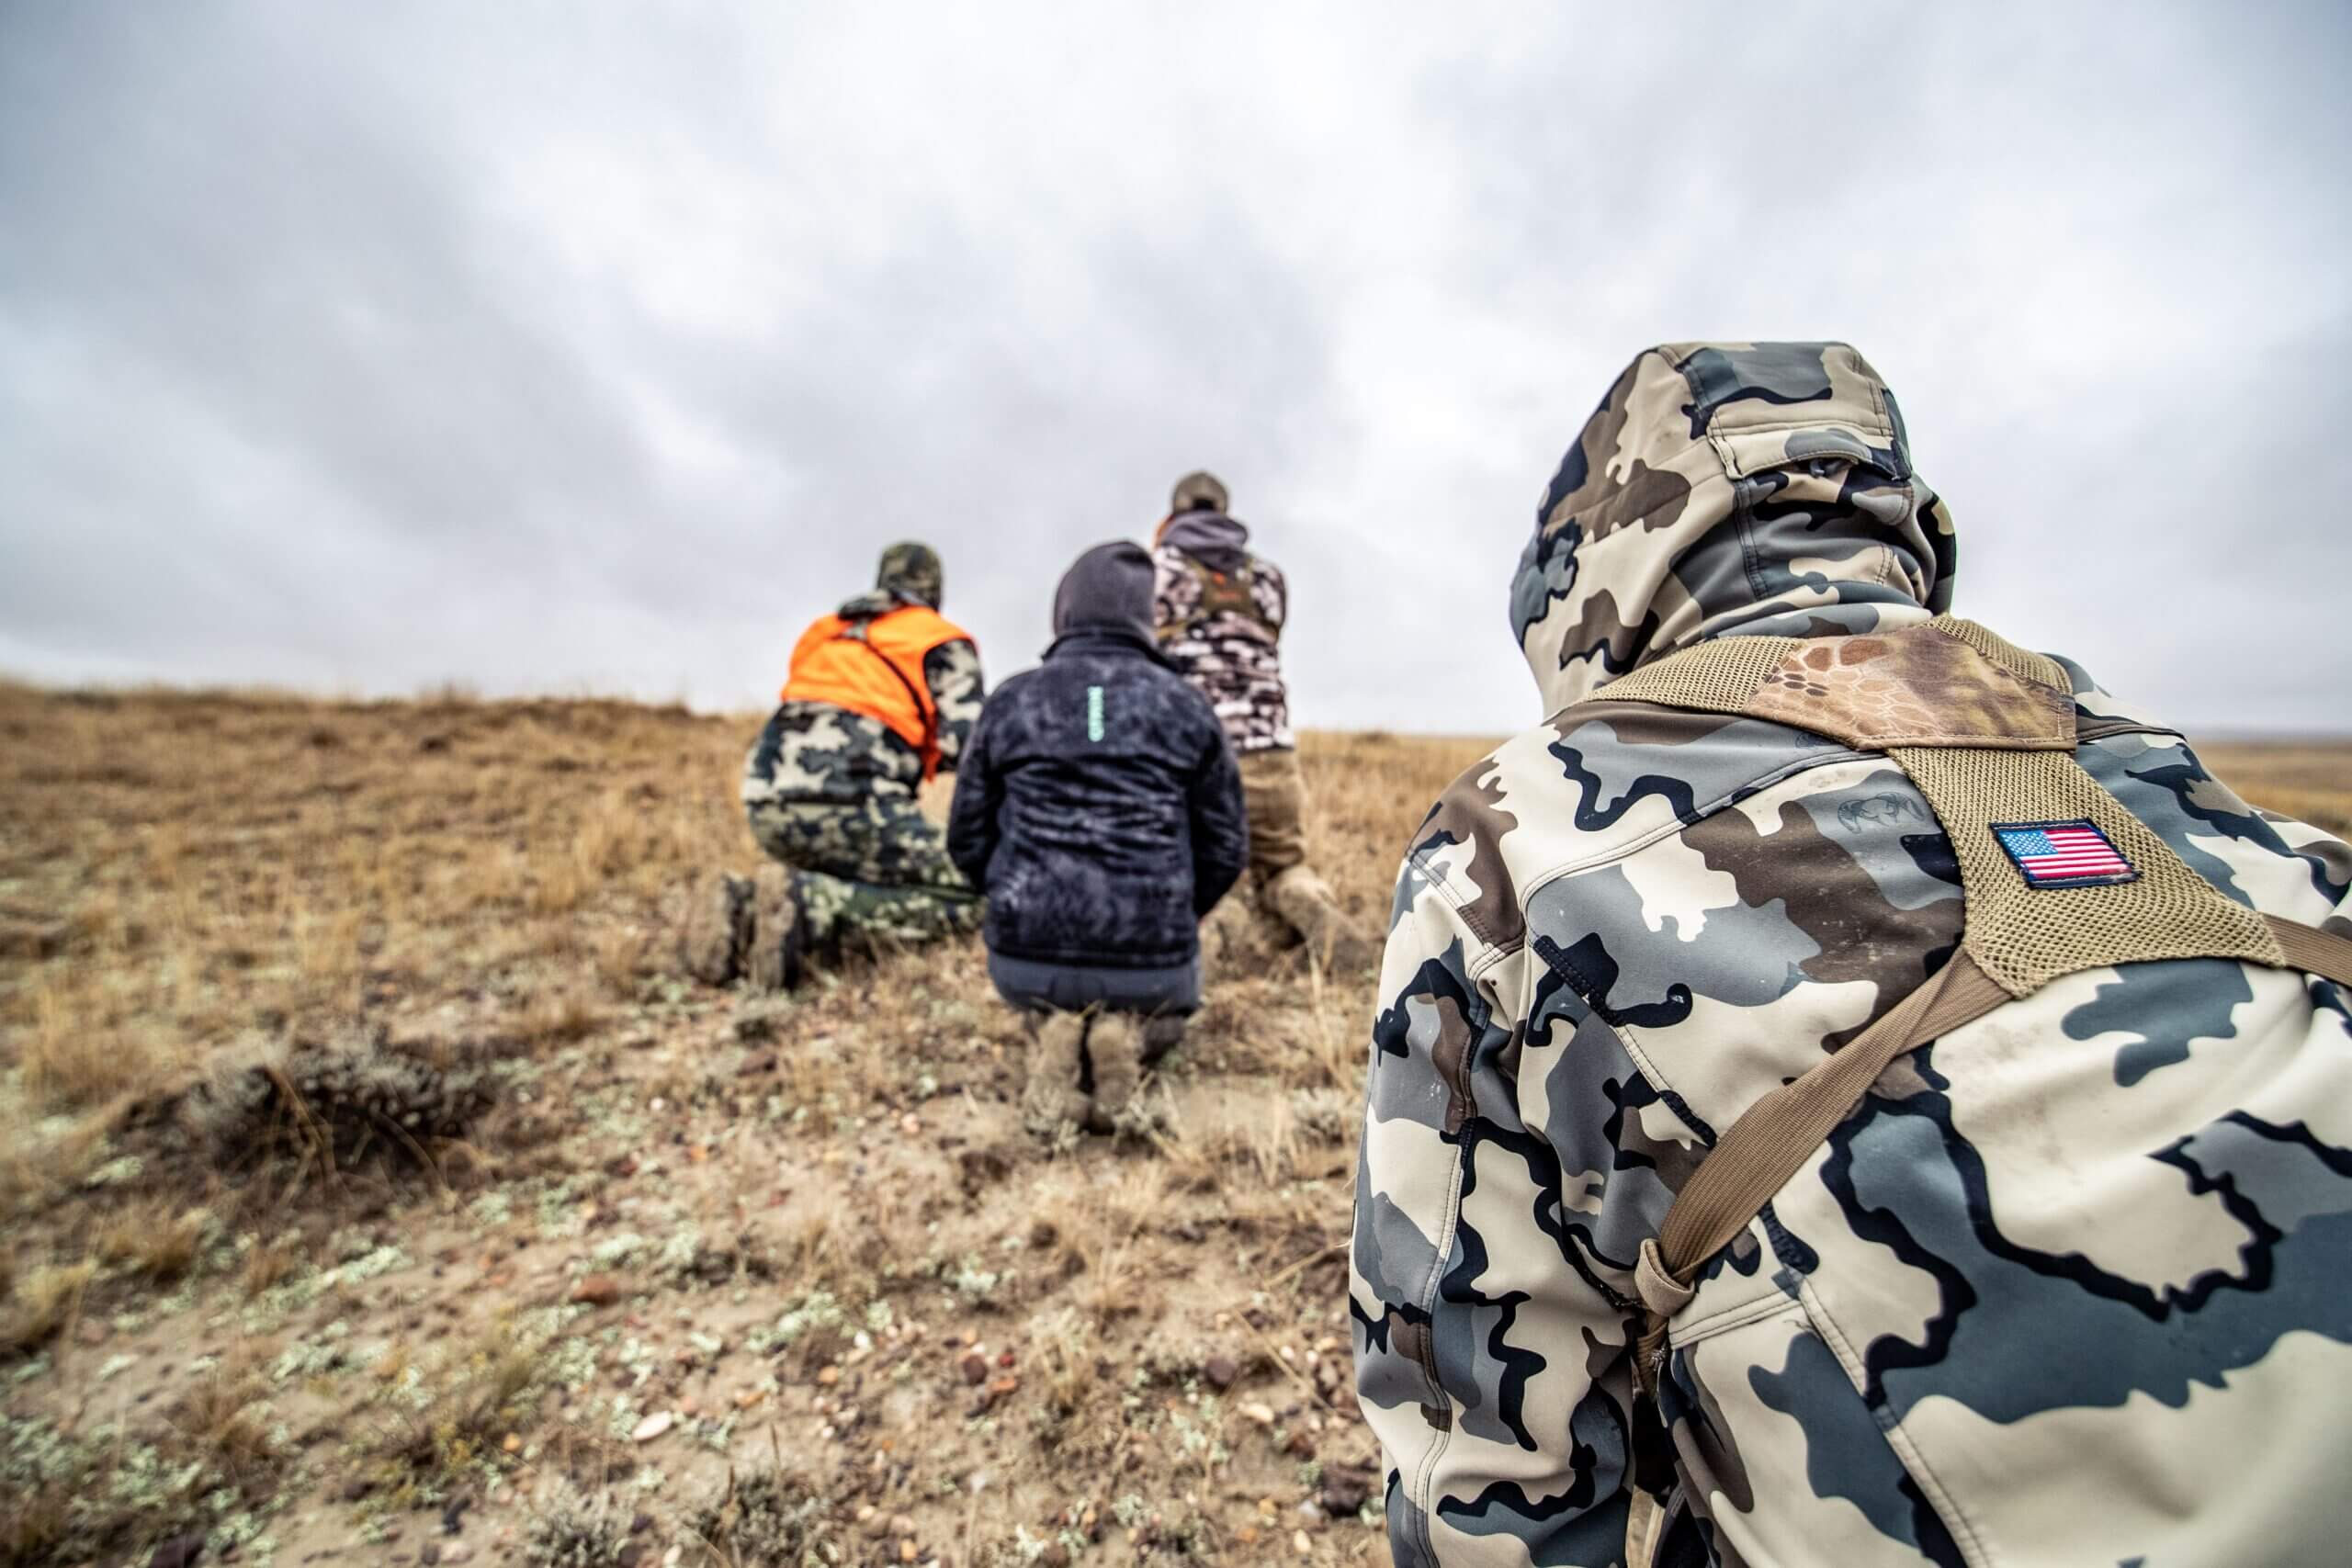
{"points": [[1725, 1319], [1964, 1531], [1425, 1480]]}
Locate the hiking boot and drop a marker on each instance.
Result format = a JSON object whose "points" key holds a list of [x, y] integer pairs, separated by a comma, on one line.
{"points": [[1306, 904], [718, 924], [1161, 1035], [1115, 1045], [1051, 1101], [779, 934]]}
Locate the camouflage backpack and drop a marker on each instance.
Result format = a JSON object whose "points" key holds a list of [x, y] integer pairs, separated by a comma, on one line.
{"points": [[1226, 592], [2058, 877]]}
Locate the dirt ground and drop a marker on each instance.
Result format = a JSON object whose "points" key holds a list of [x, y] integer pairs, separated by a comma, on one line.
{"points": [[375, 1191]]}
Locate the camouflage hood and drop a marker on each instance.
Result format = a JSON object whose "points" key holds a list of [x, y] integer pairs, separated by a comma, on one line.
{"points": [[1727, 489]]}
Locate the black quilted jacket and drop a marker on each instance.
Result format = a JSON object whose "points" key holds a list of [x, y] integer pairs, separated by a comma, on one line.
{"points": [[1098, 805]]}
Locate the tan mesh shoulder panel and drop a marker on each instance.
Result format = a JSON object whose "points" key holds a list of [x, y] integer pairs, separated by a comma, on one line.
{"points": [[1943, 683], [2025, 937], [1712, 677], [1996, 649]]}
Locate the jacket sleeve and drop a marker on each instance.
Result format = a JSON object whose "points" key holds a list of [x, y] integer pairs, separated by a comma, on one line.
{"points": [[1492, 1361], [952, 671], [1218, 818], [972, 830]]}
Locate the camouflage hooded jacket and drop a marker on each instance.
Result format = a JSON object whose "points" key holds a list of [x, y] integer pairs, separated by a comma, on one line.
{"points": [[1232, 654], [2073, 1286]]}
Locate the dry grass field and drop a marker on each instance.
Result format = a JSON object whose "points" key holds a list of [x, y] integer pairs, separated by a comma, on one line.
{"points": [[374, 1190]]}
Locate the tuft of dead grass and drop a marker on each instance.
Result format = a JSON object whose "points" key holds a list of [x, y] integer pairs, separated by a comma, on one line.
{"points": [[44, 1302], [77, 1050], [481, 1394], [154, 1238]]}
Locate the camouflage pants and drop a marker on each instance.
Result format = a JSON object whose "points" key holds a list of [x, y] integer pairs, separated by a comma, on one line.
{"points": [[874, 874], [1273, 793]]}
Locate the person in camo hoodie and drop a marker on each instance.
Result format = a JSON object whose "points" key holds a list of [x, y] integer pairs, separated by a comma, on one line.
{"points": [[1100, 811], [1219, 613], [2070, 1286]]}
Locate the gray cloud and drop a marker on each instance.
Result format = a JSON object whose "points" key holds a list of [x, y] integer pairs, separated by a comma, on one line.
{"points": [[557, 347]]}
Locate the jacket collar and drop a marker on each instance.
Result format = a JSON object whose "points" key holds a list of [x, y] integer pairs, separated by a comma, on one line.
{"points": [[1106, 639]]}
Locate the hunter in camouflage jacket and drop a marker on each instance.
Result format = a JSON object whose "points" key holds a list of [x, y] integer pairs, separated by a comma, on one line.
{"points": [[2073, 1286]]}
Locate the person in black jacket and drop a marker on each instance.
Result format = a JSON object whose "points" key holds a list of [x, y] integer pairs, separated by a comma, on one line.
{"points": [[1100, 809]]}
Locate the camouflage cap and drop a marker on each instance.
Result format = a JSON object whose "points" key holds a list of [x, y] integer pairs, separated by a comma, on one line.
{"points": [[1197, 490], [912, 570], [1727, 488]]}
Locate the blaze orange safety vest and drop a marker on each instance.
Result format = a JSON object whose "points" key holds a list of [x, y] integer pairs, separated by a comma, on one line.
{"points": [[875, 667]]}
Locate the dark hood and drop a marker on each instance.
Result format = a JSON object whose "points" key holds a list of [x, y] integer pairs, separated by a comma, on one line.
{"points": [[1217, 542], [1108, 589], [1728, 489]]}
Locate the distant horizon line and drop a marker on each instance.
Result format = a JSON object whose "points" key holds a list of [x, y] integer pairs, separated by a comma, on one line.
{"points": [[461, 691]]}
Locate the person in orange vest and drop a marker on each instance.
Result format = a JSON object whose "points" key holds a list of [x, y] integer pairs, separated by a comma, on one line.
{"points": [[881, 698]]}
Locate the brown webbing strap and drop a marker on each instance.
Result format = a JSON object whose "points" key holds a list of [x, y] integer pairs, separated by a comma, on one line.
{"points": [[1763, 1150], [1769, 1143], [2314, 951]]}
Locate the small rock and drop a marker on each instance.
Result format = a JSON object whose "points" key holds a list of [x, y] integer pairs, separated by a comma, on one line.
{"points": [[910, 1123], [1056, 1555], [907, 1551], [828, 1376], [974, 1366], [652, 1427], [428, 1554], [1221, 1372], [457, 1551], [358, 1486], [1300, 1444], [1300, 1543], [597, 1289], [1311, 1513], [902, 1526], [1261, 1414], [177, 1553], [631, 1555], [639, 1524], [1346, 1488], [513, 1445]]}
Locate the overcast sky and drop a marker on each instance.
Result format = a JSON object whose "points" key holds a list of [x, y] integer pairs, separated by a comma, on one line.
{"points": [[583, 348]]}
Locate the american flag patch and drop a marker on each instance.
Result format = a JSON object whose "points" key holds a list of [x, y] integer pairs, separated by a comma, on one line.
{"points": [[2062, 854]]}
